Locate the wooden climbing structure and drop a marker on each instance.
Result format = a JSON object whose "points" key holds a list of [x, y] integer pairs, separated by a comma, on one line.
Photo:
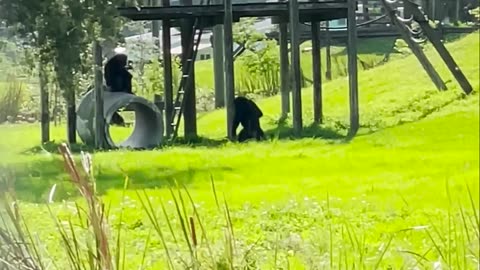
{"points": [[192, 18], [413, 37], [290, 15]]}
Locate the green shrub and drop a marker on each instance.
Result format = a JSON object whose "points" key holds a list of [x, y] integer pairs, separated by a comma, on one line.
{"points": [[11, 100], [260, 70]]}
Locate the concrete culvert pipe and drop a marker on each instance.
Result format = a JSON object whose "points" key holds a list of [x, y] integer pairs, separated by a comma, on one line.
{"points": [[148, 127]]}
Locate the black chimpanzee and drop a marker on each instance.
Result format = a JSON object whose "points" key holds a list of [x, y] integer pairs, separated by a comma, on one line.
{"points": [[248, 114], [117, 76], [118, 79]]}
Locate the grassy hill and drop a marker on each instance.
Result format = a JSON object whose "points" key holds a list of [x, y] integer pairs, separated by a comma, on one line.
{"points": [[395, 93], [396, 196]]}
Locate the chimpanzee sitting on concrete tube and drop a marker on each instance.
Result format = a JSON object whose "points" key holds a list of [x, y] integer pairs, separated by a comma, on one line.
{"points": [[118, 78], [248, 114]]}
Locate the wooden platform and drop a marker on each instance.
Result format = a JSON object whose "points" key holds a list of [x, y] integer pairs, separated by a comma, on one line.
{"points": [[309, 11]]}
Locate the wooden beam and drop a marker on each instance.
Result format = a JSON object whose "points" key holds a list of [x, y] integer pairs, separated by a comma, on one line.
{"points": [[352, 68], [441, 49], [271, 9], [366, 15], [457, 11], [71, 117], [190, 110], [99, 110], [417, 51], [167, 73], [218, 71], [228, 66], [284, 70], [317, 74], [328, 60], [434, 9], [156, 27], [44, 102], [295, 67]]}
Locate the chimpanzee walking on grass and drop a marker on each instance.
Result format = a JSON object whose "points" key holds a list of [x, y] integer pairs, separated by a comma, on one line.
{"points": [[118, 79], [248, 114]]}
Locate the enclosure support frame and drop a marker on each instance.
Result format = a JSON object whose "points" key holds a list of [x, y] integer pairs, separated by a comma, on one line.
{"points": [[71, 117], [295, 67], [190, 110], [228, 66], [352, 69], [218, 71], [438, 45], [422, 58], [44, 102], [317, 74], [284, 70], [99, 102], [328, 56], [156, 28], [167, 73]]}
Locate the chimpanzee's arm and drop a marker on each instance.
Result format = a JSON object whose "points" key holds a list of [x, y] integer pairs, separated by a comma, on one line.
{"points": [[255, 109], [128, 82], [107, 75]]}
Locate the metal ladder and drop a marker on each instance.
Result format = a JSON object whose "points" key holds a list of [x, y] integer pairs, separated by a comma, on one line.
{"points": [[187, 69]]}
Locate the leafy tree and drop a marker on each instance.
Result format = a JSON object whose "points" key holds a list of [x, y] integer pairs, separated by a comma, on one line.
{"points": [[244, 33], [261, 60], [60, 32]]}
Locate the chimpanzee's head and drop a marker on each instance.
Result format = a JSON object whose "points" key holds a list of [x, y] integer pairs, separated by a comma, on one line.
{"points": [[118, 58]]}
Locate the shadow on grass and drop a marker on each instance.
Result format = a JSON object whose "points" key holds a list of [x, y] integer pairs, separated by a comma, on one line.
{"points": [[281, 132], [52, 147], [285, 132], [34, 180]]}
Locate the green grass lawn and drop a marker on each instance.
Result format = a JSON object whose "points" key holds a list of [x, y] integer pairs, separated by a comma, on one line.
{"points": [[314, 203]]}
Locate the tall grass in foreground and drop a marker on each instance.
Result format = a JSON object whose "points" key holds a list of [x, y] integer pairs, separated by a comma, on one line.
{"points": [[90, 242]]}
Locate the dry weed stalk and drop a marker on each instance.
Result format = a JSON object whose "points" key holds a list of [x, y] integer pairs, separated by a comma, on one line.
{"points": [[96, 211]]}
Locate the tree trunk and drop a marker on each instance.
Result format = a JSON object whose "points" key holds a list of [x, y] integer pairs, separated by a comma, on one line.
{"points": [[44, 112], [71, 117]]}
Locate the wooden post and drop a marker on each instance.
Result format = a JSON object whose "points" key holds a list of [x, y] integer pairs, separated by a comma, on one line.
{"points": [[426, 7], [167, 73], [190, 110], [437, 43], [352, 68], [218, 71], [160, 104], [328, 61], [422, 58], [434, 9], [156, 28], [44, 112], [71, 117], [317, 74], [366, 16], [457, 11], [99, 116], [284, 70], [295, 67], [228, 65]]}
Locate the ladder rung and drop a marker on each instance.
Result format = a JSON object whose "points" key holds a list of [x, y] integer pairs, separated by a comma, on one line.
{"points": [[178, 108], [185, 76]]}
